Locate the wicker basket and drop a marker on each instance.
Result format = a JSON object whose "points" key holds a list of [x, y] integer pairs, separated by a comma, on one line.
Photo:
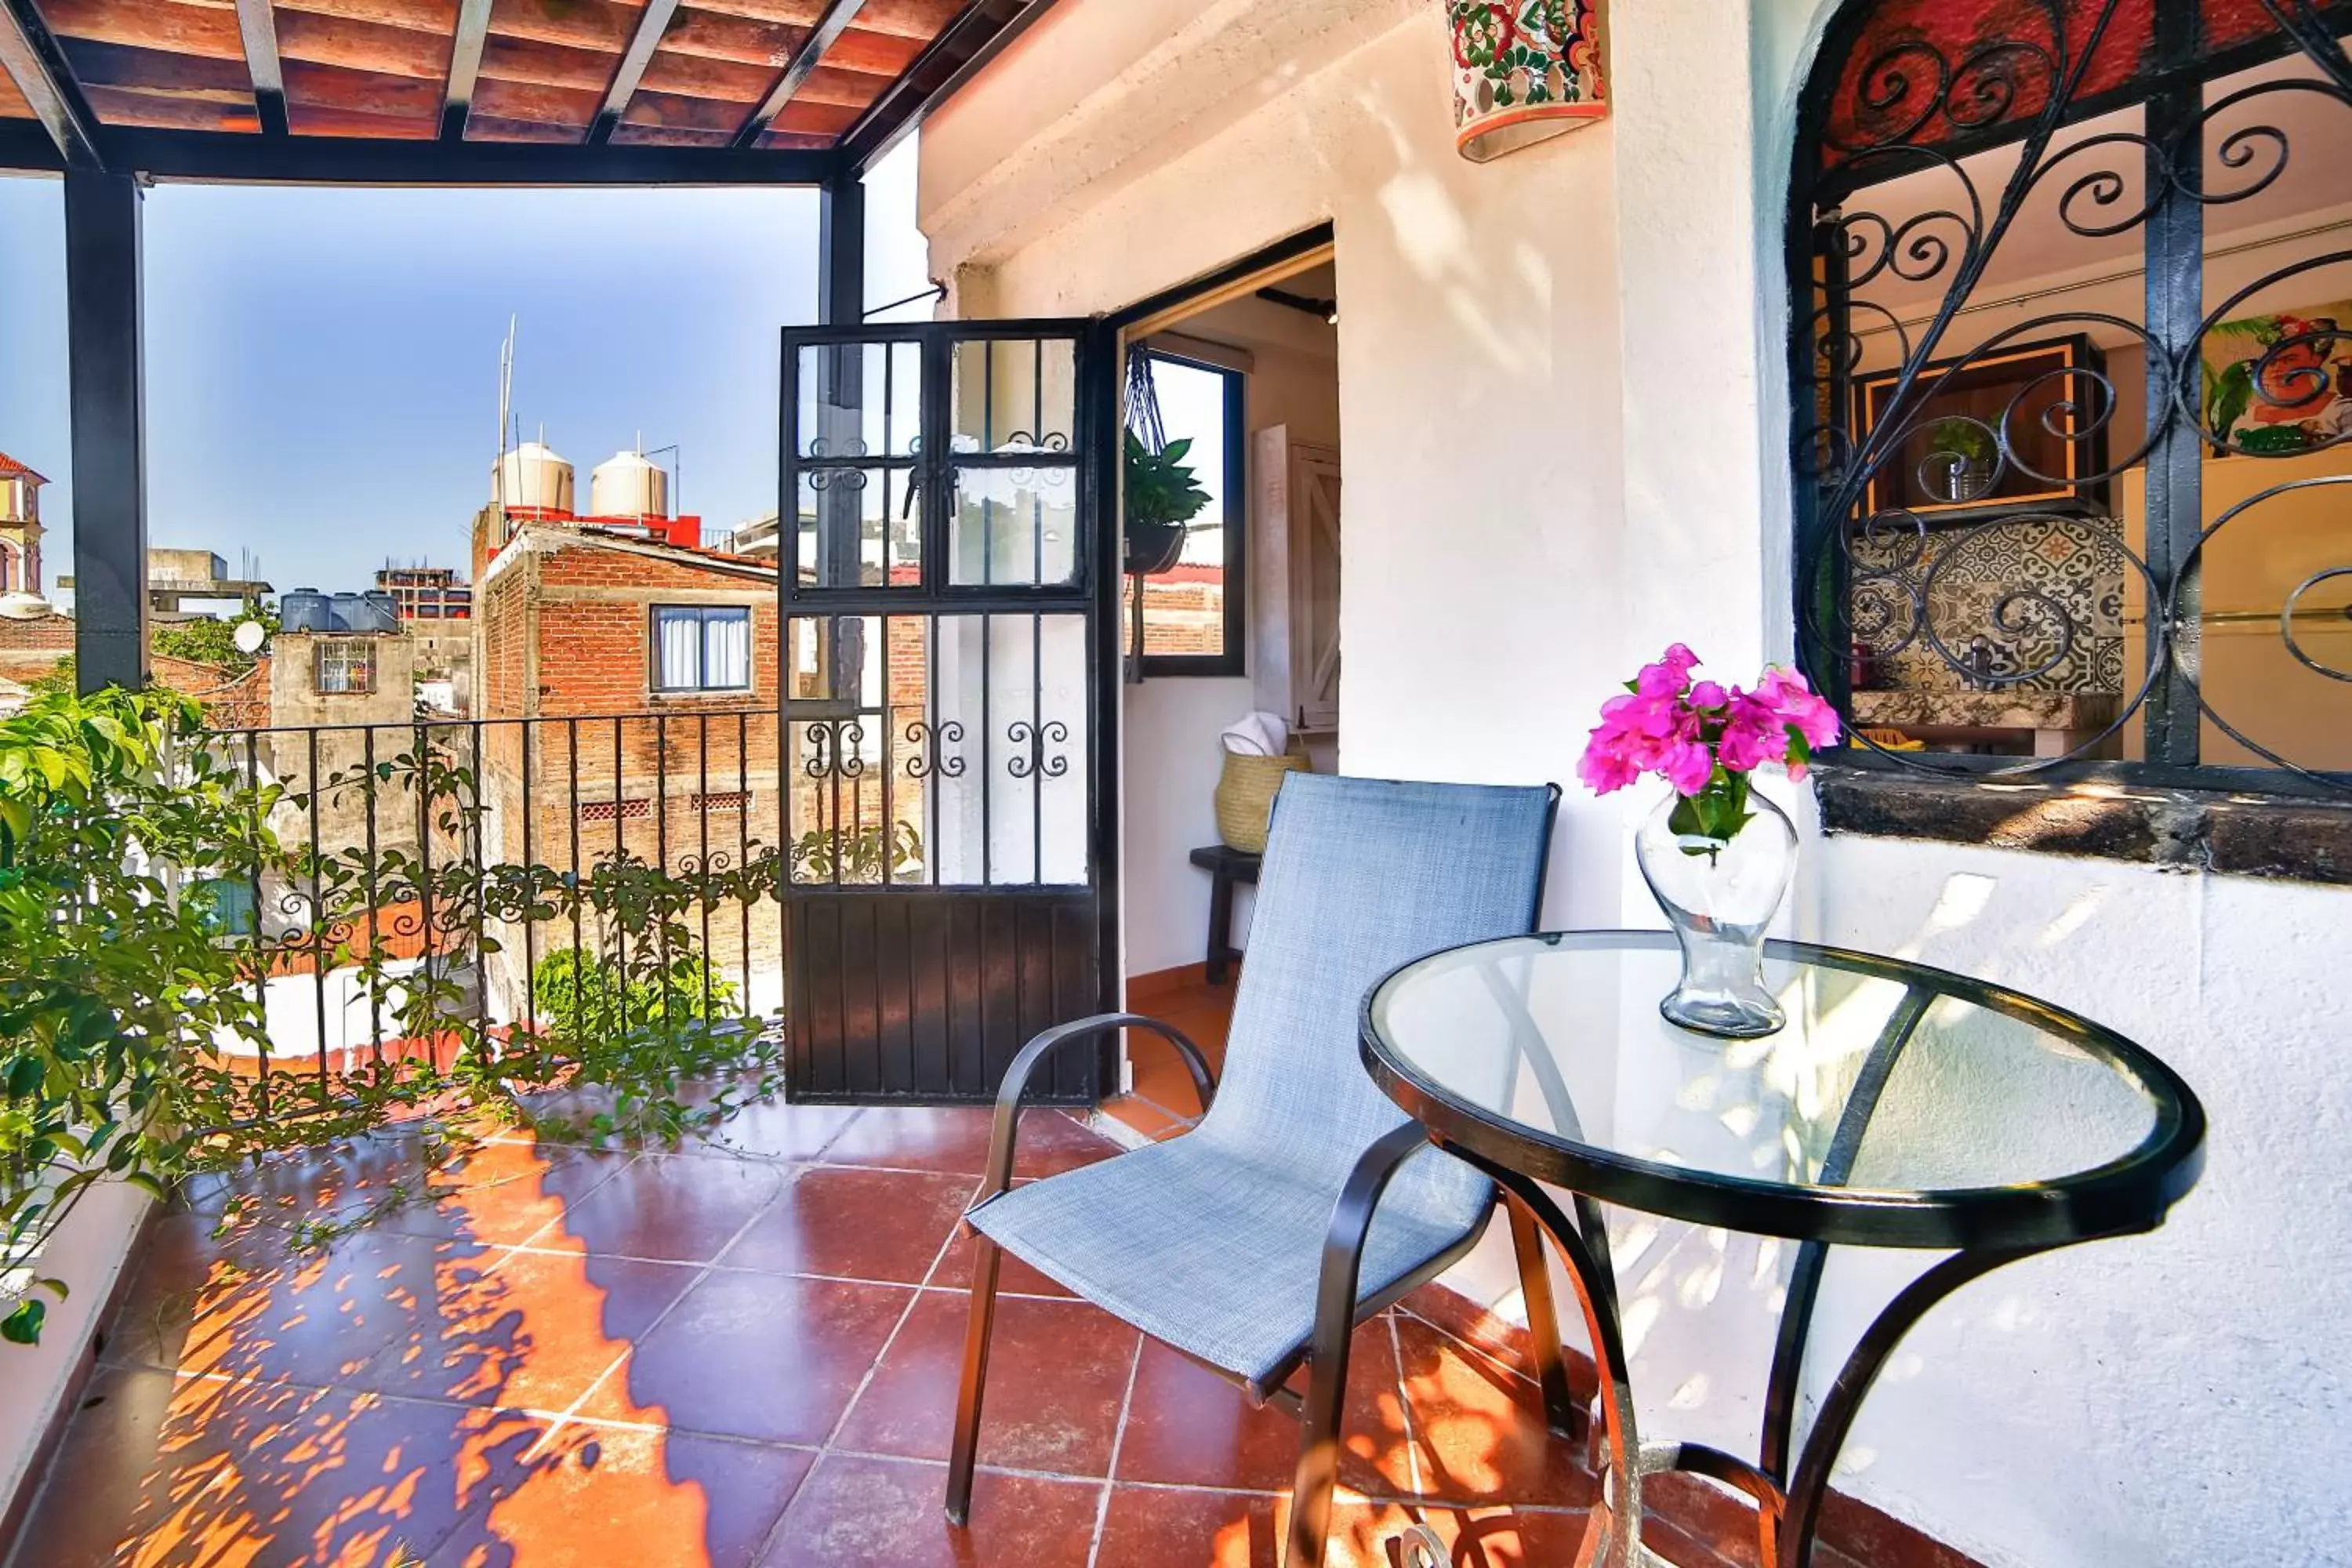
{"points": [[1245, 795]]}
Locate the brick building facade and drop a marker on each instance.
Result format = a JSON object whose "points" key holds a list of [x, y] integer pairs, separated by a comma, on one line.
{"points": [[590, 747]]}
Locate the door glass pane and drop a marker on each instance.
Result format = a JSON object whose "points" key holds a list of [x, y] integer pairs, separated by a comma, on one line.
{"points": [[1014, 394], [1019, 749], [859, 528], [1062, 787], [859, 400], [1015, 527], [962, 709]]}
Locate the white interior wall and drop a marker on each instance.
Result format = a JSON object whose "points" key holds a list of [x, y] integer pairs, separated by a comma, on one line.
{"points": [[1170, 724], [1517, 544]]}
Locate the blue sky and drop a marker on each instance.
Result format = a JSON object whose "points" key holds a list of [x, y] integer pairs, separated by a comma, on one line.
{"points": [[322, 364]]}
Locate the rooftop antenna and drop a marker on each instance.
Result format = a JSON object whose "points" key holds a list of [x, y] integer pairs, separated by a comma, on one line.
{"points": [[506, 399]]}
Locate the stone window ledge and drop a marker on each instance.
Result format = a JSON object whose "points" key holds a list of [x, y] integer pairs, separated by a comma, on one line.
{"points": [[2291, 838]]}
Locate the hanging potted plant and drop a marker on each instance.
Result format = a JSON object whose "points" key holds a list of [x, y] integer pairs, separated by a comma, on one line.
{"points": [[1162, 497]]}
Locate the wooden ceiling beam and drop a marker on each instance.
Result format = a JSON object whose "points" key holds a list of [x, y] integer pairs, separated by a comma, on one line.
{"points": [[652, 22], [438, 17], [465, 65], [835, 21], [598, 24], [153, 70], [960, 53], [354, 45], [744, 40], [259, 31], [545, 65], [360, 160], [158, 24], [36, 64]]}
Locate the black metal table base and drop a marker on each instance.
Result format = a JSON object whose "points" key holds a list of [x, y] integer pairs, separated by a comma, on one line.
{"points": [[1789, 1483]]}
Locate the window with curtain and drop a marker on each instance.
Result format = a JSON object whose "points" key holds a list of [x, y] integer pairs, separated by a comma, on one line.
{"points": [[702, 648]]}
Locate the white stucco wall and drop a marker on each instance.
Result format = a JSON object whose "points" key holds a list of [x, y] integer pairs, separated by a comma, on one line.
{"points": [[86, 1253], [1562, 418]]}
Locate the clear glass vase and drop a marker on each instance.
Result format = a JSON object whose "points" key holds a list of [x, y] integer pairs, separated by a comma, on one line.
{"points": [[1719, 895]]}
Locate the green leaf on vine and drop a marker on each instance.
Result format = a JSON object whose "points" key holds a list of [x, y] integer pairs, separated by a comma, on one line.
{"points": [[23, 1326]]}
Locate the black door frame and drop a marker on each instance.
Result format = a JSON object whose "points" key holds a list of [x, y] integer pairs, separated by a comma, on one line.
{"points": [[1092, 591]]}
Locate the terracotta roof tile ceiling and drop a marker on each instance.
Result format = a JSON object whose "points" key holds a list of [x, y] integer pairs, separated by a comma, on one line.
{"points": [[10, 468], [801, 74]]}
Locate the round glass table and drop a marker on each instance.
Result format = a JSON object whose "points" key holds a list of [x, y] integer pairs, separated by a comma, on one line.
{"points": [[1901, 1106]]}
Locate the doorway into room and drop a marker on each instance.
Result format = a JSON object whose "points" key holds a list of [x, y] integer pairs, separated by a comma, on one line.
{"points": [[1231, 402]]}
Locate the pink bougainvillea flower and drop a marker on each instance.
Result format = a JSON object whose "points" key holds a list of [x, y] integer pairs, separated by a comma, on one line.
{"points": [[1785, 692], [1606, 766], [1654, 716], [1670, 677], [1753, 736], [1699, 735], [1688, 766]]}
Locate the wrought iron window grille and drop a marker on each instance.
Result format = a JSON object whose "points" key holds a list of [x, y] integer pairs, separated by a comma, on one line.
{"points": [[1926, 132]]}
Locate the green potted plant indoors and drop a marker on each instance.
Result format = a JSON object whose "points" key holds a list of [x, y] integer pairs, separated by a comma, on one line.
{"points": [[1161, 497]]}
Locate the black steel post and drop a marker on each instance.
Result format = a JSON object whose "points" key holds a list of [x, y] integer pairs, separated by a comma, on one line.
{"points": [[841, 393], [841, 251], [2175, 513], [109, 447]]}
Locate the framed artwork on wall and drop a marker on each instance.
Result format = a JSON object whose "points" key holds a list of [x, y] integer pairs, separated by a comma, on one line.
{"points": [[2281, 383], [2042, 398]]}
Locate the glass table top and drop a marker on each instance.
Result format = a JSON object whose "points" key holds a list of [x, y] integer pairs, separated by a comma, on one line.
{"points": [[1901, 1105]]}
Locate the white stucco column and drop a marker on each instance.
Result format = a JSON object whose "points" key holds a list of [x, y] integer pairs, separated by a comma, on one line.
{"points": [[1695, 464]]}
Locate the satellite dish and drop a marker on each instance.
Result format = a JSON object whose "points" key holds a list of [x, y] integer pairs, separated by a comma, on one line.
{"points": [[249, 636]]}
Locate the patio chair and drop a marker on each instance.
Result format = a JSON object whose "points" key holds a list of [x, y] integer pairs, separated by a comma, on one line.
{"points": [[1218, 1242]]}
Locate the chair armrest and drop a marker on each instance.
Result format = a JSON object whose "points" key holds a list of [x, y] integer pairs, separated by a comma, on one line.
{"points": [[1016, 1082], [1351, 1226]]}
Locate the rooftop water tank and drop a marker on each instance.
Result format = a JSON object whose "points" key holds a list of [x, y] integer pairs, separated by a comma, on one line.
{"points": [[532, 475], [304, 610], [627, 484], [382, 611], [347, 613]]}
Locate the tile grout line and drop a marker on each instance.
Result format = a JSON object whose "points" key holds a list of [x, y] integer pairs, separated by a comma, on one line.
{"points": [[704, 1272], [564, 1204], [841, 1421], [1117, 1441], [1491, 1357]]}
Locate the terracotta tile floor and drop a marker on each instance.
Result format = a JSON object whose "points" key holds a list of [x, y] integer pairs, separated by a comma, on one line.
{"points": [[741, 1353], [1162, 1101], [710, 1357]]}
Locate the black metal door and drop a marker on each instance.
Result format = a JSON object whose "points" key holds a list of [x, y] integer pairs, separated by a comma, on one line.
{"points": [[947, 651]]}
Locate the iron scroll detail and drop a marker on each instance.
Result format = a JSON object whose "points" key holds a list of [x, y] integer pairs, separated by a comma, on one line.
{"points": [[1956, 539]]}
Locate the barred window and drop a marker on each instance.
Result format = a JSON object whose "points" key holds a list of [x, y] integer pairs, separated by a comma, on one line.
{"points": [[346, 667], [2072, 377]]}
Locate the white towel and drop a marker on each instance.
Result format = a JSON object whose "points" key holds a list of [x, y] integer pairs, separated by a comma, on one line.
{"points": [[1257, 735]]}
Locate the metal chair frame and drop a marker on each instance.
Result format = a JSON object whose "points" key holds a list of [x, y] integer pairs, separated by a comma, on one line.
{"points": [[1337, 1311]]}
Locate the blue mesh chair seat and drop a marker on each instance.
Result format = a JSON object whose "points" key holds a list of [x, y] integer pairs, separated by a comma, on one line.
{"points": [[1214, 1242], [1218, 1254]]}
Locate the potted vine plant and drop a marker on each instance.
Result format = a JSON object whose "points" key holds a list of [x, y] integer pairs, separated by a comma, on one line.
{"points": [[121, 979], [1161, 497], [113, 983]]}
